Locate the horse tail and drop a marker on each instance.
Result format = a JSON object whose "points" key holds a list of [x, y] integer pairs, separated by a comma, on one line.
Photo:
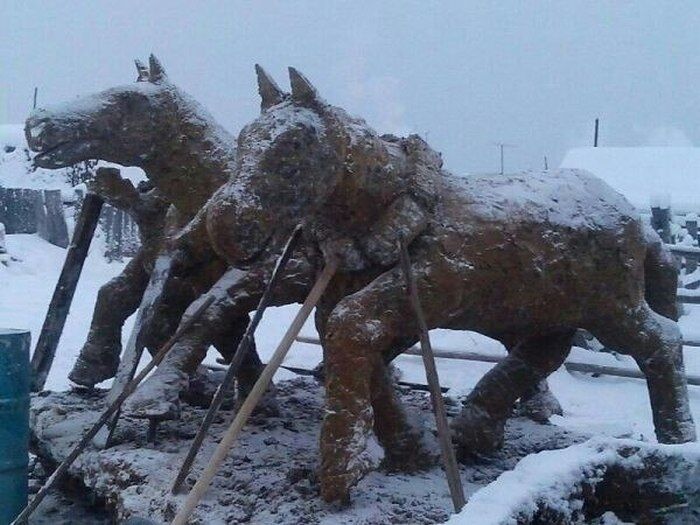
{"points": [[660, 276]]}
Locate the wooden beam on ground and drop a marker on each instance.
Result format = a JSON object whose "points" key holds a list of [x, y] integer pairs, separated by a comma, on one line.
{"points": [[571, 366], [56, 316], [683, 249]]}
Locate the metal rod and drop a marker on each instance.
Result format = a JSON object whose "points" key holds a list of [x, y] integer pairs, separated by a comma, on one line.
{"points": [[256, 393], [449, 459], [107, 414], [236, 360]]}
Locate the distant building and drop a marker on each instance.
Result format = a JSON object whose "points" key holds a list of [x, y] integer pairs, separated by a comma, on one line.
{"points": [[646, 176]]}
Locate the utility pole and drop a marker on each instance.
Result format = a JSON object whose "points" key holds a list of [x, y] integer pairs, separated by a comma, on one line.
{"points": [[36, 91], [595, 135], [501, 146]]}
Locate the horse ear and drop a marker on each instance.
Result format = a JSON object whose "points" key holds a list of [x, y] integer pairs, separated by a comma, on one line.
{"points": [[270, 93], [303, 92], [142, 71], [157, 73]]}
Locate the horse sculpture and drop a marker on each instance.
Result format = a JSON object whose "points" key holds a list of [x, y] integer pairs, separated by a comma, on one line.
{"points": [[186, 155], [525, 259]]}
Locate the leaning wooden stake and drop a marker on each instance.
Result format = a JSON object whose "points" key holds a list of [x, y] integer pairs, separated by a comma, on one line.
{"points": [[448, 454], [111, 409], [55, 320], [256, 393], [236, 360]]}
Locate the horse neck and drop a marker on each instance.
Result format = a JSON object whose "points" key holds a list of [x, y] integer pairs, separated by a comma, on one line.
{"points": [[193, 159]]}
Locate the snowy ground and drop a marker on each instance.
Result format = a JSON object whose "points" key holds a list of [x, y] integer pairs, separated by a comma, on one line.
{"points": [[602, 405]]}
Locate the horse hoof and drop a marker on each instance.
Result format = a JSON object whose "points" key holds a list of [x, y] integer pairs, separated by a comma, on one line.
{"points": [[94, 367], [158, 397], [335, 490], [475, 432], [541, 407]]}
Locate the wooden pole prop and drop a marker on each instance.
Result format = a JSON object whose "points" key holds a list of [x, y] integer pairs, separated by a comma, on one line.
{"points": [[256, 393], [448, 454], [55, 320], [126, 372], [236, 360], [111, 409]]}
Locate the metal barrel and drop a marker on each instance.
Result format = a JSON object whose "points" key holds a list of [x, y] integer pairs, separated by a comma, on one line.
{"points": [[14, 422]]}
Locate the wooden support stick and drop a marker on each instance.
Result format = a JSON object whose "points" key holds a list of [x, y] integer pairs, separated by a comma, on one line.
{"points": [[571, 366], [235, 364], [256, 393], [449, 460], [127, 370], [55, 320], [111, 409]]}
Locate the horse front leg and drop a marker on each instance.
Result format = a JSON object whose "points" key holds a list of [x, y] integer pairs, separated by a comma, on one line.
{"points": [[116, 301], [362, 329]]}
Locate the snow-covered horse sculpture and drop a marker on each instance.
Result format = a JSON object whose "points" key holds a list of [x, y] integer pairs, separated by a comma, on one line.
{"points": [[525, 259], [153, 125]]}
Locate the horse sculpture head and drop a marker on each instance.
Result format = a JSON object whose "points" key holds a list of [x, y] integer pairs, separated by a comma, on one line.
{"points": [[292, 160], [151, 124], [112, 125]]}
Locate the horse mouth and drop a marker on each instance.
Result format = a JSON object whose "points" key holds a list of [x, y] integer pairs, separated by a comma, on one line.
{"points": [[61, 155]]}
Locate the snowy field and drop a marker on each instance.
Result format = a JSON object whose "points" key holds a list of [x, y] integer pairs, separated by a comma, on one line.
{"points": [[601, 405]]}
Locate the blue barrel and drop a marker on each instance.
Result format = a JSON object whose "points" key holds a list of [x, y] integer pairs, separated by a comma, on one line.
{"points": [[14, 422]]}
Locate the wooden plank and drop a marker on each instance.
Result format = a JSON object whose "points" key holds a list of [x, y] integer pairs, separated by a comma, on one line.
{"points": [[256, 393], [108, 413], [449, 459], [237, 359], [55, 320]]}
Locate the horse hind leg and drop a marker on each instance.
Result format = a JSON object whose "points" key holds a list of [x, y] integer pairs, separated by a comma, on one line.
{"points": [[539, 403], [655, 343], [479, 428]]}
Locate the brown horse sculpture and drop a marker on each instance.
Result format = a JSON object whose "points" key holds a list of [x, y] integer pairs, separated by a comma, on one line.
{"points": [[186, 155], [525, 258]]}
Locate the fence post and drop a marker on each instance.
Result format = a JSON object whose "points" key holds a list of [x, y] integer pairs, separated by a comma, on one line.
{"points": [[661, 222], [14, 422]]}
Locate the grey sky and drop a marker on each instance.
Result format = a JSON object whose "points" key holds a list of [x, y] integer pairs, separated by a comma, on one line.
{"points": [[467, 74]]}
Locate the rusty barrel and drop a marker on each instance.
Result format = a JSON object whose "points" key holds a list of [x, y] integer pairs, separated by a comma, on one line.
{"points": [[14, 422]]}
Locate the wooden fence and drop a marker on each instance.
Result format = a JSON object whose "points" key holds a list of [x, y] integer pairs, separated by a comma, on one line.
{"points": [[43, 212], [34, 211]]}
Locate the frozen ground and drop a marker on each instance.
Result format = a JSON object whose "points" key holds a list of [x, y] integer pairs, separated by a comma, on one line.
{"points": [[592, 405], [269, 476]]}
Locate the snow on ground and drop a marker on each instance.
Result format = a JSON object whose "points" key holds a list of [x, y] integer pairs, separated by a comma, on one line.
{"points": [[554, 477]]}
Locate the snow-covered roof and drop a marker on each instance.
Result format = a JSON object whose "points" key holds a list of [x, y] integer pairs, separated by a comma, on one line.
{"points": [[18, 171], [645, 176]]}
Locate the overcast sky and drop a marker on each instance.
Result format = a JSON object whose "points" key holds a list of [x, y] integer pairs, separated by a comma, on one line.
{"points": [[465, 74]]}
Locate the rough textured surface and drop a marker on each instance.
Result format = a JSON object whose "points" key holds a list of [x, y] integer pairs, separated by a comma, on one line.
{"points": [[525, 259], [272, 473], [143, 124], [597, 480]]}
